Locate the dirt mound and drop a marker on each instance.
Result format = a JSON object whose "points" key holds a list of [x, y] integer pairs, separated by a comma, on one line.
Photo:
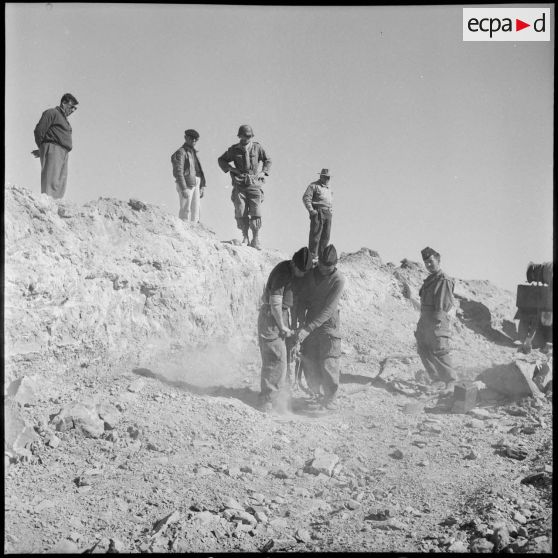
{"points": [[115, 280], [132, 426]]}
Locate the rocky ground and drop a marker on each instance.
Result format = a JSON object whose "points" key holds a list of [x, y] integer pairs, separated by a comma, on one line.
{"points": [[152, 444]]}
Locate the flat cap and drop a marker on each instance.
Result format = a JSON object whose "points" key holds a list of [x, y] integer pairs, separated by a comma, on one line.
{"points": [[302, 259], [329, 255], [427, 252], [192, 134]]}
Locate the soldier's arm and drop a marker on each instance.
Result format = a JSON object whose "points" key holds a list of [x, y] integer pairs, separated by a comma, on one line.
{"points": [[307, 198], [329, 306], [224, 161], [266, 161], [178, 168], [43, 126]]}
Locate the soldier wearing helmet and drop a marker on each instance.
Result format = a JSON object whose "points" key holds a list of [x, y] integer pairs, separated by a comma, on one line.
{"points": [[242, 161]]}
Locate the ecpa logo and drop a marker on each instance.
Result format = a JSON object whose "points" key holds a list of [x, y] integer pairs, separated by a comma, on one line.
{"points": [[506, 24]]}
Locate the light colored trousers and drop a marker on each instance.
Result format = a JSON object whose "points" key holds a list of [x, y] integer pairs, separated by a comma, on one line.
{"points": [[54, 169], [189, 202]]}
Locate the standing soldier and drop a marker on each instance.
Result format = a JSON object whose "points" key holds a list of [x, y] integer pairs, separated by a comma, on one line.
{"points": [[190, 180], [274, 325], [53, 136], [320, 337], [433, 331], [247, 181], [318, 200]]}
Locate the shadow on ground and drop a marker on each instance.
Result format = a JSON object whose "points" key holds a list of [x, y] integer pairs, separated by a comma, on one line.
{"points": [[476, 316]]}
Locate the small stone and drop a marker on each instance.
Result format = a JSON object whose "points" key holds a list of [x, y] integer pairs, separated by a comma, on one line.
{"points": [[475, 423], [519, 518], [352, 504], [471, 455], [458, 546], [397, 454], [116, 546], [423, 463], [303, 535], [136, 386], [522, 532], [23, 391], [231, 503], [134, 431], [481, 546], [261, 517], [53, 441]]}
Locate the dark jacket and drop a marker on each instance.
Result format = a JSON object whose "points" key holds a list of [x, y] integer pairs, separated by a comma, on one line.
{"points": [[247, 162], [184, 161], [316, 307], [53, 127], [436, 299]]}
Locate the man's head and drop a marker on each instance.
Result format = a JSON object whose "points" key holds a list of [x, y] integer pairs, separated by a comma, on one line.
{"points": [[327, 260], [191, 137], [431, 259], [301, 262], [324, 176], [245, 134], [68, 103]]}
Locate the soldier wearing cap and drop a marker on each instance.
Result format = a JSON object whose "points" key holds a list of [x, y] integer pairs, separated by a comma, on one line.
{"points": [[317, 310], [190, 180], [433, 328], [318, 200], [242, 160], [274, 325]]}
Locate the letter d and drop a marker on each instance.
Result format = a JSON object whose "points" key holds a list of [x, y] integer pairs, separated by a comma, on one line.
{"points": [[535, 25]]}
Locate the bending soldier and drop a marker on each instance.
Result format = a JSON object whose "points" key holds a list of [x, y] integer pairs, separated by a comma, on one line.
{"points": [[320, 336], [247, 182], [274, 325], [433, 331]]}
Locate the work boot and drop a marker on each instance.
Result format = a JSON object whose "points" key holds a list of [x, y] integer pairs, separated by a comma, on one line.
{"points": [[255, 241], [266, 407], [330, 403]]}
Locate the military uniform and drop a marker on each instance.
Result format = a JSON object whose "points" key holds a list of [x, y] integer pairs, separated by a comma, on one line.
{"points": [[247, 193], [433, 328], [317, 308]]}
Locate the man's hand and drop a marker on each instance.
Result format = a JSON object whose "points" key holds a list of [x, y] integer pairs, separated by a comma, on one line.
{"points": [[302, 334], [286, 332], [202, 191], [261, 176], [234, 171], [35, 153], [313, 212]]}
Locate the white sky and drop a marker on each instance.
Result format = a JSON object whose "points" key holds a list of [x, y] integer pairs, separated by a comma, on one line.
{"points": [[430, 140]]}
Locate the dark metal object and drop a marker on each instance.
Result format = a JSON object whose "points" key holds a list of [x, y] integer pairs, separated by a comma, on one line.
{"points": [[464, 396]]}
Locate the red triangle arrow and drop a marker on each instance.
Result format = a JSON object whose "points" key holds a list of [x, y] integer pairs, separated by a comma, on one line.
{"points": [[519, 25]]}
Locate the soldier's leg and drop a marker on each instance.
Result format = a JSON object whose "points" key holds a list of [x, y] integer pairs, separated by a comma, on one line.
{"points": [[241, 213], [326, 230], [441, 358], [330, 352], [254, 209], [315, 234], [310, 353], [195, 203]]}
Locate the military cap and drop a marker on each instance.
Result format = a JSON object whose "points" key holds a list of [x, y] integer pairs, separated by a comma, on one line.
{"points": [[328, 256], [302, 259], [245, 130], [192, 134], [427, 252]]}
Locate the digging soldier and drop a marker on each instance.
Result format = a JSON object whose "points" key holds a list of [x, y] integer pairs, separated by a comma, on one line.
{"points": [[318, 313], [247, 181], [53, 136], [274, 326], [189, 177], [318, 200], [433, 328]]}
